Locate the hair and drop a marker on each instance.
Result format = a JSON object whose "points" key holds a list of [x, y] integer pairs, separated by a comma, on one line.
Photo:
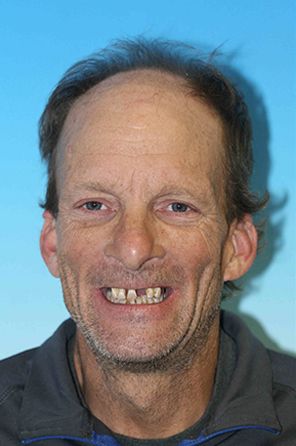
{"points": [[204, 80]]}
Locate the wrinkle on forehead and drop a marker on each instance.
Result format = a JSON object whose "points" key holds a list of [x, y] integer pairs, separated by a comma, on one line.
{"points": [[141, 114], [126, 99]]}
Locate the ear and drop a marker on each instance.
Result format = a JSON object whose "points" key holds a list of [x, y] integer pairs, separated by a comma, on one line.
{"points": [[240, 249], [48, 243]]}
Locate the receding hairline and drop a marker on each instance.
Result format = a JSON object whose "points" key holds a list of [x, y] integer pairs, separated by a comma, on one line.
{"points": [[164, 82]]}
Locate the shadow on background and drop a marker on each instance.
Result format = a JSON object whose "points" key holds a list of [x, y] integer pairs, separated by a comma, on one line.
{"points": [[273, 226]]}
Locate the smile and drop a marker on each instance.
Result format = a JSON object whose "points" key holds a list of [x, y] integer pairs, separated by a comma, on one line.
{"points": [[136, 296]]}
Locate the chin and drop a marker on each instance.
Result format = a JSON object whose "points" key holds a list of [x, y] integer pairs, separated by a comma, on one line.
{"points": [[176, 356]]}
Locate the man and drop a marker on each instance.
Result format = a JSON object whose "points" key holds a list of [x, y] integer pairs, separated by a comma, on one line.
{"points": [[147, 216]]}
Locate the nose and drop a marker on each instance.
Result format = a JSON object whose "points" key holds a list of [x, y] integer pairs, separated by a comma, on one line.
{"points": [[134, 242]]}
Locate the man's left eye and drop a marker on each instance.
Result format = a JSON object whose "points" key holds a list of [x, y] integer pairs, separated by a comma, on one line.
{"points": [[94, 206], [179, 207]]}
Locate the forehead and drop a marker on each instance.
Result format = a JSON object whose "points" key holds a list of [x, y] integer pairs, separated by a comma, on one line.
{"points": [[142, 113]]}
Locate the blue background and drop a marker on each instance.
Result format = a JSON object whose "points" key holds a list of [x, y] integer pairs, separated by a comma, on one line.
{"points": [[40, 40]]}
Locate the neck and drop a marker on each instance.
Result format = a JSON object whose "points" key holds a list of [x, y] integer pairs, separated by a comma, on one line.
{"points": [[144, 405]]}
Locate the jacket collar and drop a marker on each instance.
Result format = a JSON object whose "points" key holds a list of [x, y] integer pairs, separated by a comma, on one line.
{"points": [[248, 399], [51, 404]]}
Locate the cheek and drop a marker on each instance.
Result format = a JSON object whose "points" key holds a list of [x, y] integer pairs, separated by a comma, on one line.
{"points": [[212, 238], [192, 248], [199, 253], [78, 248]]}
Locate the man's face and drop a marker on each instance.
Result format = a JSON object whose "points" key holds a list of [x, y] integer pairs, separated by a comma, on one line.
{"points": [[141, 209]]}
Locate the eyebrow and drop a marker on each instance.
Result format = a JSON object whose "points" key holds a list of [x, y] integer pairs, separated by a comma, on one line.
{"points": [[195, 192], [94, 186], [202, 195]]}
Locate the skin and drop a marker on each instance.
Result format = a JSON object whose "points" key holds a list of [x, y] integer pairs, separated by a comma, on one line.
{"points": [[137, 144]]}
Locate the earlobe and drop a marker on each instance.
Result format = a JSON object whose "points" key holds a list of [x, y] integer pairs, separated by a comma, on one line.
{"points": [[242, 248], [48, 243]]}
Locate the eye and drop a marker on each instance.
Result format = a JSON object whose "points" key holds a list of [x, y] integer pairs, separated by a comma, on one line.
{"points": [[177, 212], [179, 207], [94, 206]]}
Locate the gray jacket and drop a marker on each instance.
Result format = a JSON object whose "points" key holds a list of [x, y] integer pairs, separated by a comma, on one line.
{"points": [[40, 404]]}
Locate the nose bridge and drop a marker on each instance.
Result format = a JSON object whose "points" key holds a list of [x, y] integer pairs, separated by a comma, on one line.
{"points": [[133, 241]]}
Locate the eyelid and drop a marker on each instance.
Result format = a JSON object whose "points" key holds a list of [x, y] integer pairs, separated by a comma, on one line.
{"points": [[105, 202], [190, 215], [107, 209], [167, 203]]}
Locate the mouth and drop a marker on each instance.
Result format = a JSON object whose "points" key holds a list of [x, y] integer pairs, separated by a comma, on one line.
{"points": [[139, 296]]}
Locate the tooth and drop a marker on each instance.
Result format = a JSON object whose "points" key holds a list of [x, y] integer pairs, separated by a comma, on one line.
{"points": [[157, 292], [131, 293], [114, 292], [121, 296], [111, 297], [121, 292], [131, 296], [149, 292]]}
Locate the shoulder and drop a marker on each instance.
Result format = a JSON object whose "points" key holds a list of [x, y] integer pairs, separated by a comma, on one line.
{"points": [[13, 377], [24, 379], [12, 369], [13, 373], [266, 377], [284, 392], [283, 369], [282, 366]]}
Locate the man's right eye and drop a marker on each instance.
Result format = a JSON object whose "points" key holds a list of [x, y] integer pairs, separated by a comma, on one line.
{"points": [[94, 206]]}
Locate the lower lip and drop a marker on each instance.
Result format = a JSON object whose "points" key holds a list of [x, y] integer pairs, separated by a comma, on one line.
{"points": [[156, 310]]}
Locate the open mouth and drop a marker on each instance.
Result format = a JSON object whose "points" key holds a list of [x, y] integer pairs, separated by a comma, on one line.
{"points": [[138, 296]]}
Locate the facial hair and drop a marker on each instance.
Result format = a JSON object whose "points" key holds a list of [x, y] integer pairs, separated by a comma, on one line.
{"points": [[178, 355]]}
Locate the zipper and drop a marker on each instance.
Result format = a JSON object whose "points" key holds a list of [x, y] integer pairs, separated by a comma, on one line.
{"points": [[204, 438], [95, 440], [57, 437]]}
